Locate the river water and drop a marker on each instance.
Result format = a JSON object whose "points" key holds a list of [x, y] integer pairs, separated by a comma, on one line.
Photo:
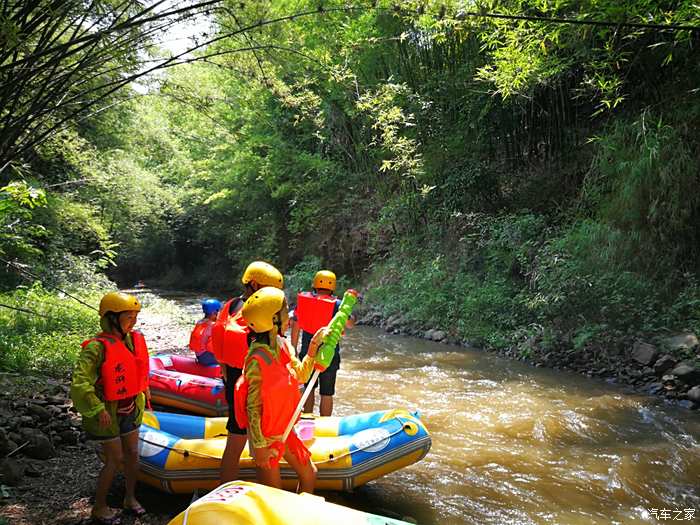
{"points": [[514, 444]]}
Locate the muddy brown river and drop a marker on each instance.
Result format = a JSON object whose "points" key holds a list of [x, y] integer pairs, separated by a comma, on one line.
{"points": [[514, 444]]}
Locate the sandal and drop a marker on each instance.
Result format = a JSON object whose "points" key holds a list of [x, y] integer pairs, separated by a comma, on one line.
{"points": [[136, 510]]}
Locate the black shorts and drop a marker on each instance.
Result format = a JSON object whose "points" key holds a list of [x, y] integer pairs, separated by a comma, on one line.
{"points": [[232, 375], [327, 377], [127, 425]]}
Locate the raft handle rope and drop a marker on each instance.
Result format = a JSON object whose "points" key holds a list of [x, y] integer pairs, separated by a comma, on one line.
{"points": [[187, 453]]}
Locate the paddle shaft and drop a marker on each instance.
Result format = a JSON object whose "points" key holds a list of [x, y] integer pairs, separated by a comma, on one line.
{"points": [[300, 406], [327, 349]]}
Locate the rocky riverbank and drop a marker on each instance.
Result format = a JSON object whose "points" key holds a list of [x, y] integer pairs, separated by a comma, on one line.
{"points": [[47, 468], [668, 367]]}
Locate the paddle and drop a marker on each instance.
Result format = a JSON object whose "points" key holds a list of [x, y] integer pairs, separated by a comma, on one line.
{"points": [[326, 351]]}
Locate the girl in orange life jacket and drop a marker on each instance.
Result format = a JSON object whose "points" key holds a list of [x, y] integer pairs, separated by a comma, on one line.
{"points": [[314, 310], [109, 389], [200, 338], [230, 346], [268, 394]]}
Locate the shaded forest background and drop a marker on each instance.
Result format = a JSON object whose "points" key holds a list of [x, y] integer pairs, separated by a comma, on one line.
{"points": [[509, 181]]}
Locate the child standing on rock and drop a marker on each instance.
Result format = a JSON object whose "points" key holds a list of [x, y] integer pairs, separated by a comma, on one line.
{"points": [[109, 389]]}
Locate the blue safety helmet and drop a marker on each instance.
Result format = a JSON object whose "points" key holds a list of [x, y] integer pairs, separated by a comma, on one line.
{"points": [[210, 306]]}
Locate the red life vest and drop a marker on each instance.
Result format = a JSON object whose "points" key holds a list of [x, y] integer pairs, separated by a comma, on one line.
{"points": [[123, 373], [197, 337], [229, 338], [314, 311], [279, 392]]}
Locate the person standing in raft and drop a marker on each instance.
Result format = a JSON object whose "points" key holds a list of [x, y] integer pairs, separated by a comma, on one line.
{"points": [[268, 393], [314, 310], [230, 346], [110, 389], [200, 338]]}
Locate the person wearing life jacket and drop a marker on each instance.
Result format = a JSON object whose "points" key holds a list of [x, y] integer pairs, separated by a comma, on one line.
{"points": [[314, 310], [229, 339], [200, 338], [268, 393], [110, 389]]}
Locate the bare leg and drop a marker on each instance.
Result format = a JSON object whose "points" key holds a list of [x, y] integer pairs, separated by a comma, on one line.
{"points": [[112, 451], [326, 405], [269, 476], [306, 473], [235, 443], [309, 404], [130, 448]]}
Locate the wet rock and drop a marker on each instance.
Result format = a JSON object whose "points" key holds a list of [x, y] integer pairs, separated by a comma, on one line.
{"points": [[69, 437], [55, 400], [681, 342], [664, 364], [644, 353], [4, 443], [12, 472], [684, 403], [39, 447], [687, 372], [54, 411], [654, 388], [438, 335], [694, 394]]}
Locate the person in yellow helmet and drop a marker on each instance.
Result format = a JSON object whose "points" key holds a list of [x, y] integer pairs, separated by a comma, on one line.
{"points": [[314, 310], [110, 389], [230, 346], [268, 393]]}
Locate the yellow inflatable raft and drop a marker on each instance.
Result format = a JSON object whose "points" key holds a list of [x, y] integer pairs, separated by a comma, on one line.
{"points": [[245, 503], [180, 453]]}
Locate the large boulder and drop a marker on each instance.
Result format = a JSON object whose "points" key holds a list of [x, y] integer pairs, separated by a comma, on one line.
{"points": [[11, 471], [644, 353], [39, 447], [694, 394], [681, 342], [438, 335], [687, 372], [664, 364]]}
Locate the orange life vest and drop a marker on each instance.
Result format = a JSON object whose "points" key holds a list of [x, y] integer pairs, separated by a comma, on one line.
{"points": [[123, 373], [197, 337], [229, 338], [314, 311], [279, 391]]}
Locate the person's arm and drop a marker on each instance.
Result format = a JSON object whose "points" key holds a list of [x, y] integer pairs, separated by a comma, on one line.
{"points": [[351, 322], [295, 333], [302, 370], [85, 376]]}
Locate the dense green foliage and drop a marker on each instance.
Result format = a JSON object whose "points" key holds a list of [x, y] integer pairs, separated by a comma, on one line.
{"points": [[502, 179]]}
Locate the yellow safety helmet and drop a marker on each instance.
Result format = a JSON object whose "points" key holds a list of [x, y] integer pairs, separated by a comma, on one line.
{"points": [[119, 302], [324, 279], [261, 310], [264, 274]]}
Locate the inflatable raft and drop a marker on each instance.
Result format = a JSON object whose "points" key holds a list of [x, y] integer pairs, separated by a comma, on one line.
{"points": [[245, 503], [180, 382], [180, 453]]}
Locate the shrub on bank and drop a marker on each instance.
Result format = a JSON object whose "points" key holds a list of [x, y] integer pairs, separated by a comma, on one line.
{"points": [[516, 281], [41, 331]]}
